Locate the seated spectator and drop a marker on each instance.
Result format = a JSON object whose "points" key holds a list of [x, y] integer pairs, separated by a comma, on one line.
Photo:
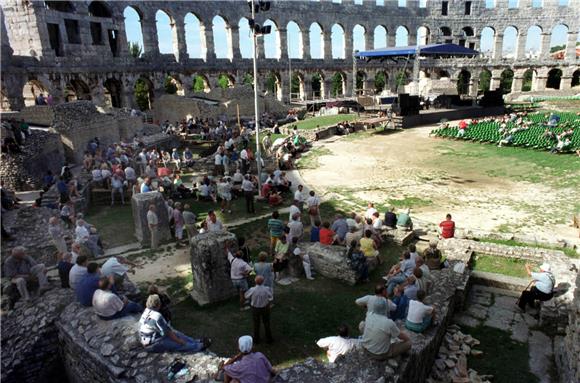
{"points": [[156, 335], [315, 232], [447, 227], [402, 303], [117, 269], [354, 221], [281, 253], [381, 338], [358, 261], [340, 227], [368, 245], [164, 309], [411, 288], [338, 345], [88, 285], [432, 256], [23, 270], [64, 265], [56, 232], [399, 272], [326, 234], [420, 315], [404, 221], [110, 306], [368, 301], [543, 288], [248, 366], [370, 210], [353, 236], [413, 252], [78, 271], [213, 223]]}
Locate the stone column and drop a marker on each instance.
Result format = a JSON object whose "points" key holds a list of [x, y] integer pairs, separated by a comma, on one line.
{"points": [[369, 39], [327, 45], [391, 38], [412, 38], [209, 44], [498, 46], [517, 82], [150, 41], [495, 80], [305, 44], [348, 45], [565, 82], [571, 46], [326, 91], [179, 44], [123, 44], [211, 268], [521, 46], [260, 51], [235, 30], [283, 43], [474, 86], [140, 204], [545, 46], [307, 87], [285, 85], [348, 88]]}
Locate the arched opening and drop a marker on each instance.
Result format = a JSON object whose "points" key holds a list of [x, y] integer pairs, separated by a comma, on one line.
{"points": [[225, 81], [317, 85], [200, 84], [380, 37], [248, 79], [245, 35], [165, 32], [423, 35], [558, 42], [274, 85], [338, 85], [463, 81], [381, 79], [272, 48], [32, 90], [99, 9], [144, 93], [133, 31], [554, 79], [316, 41], [294, 39], [484, 80], [487, 43], [4, 102], [337, 41], [576, 78], [77, 90], [533, 42], [358, 38], [113, 91], [194, 37], [60, 6], [440, 73], [510, 43], [506, 80], [528, 80], [222, 38], [173, 85], [297, 87], [361, 78], [401, 36], [446, 35], [466, 39]]}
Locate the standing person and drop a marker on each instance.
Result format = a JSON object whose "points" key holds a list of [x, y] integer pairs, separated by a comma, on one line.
{"points": [[244, 160], [64, 265], [248, 366], [117, 187], [21, 269], [265, 270], [239, 271], [447, 227], [543, 289], [248, 189], [313, 204], [299, 197], [218, 168], [153, 223], [260, 297], [178, 222], [189, 219], [56, 232], [276, 228], [296, 228]]}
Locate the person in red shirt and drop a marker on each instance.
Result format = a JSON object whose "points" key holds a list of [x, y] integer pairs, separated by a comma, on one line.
{"points": [[447, 227], [326, 234]]}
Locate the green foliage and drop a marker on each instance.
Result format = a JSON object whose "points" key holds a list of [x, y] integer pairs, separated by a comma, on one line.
{"points": [[336, 85], [506, 80], [401, 79], [169, 85], [272, 83], [360, 78], [484, 81], [380, 82], [527, 82], [295, 85], [499, 265], [557, 48], [570, 252], [223, 81], [248, 79], [198, 84], [317, 84], [323, 121], [463, 82], [135, 50], [142, 92]]}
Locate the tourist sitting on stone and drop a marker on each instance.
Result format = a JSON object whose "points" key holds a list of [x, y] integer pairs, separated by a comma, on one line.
{"points": [[57, 234], [164, 309], [447, 227], [213, 223], [281, 253], [239, 271], [358, 261], [117, 268], [179, 188], [399, 272], [260, 297], [376, 234], [369, 246], [432, 256], [265, 269], [420, 315], [411, 286], [353, 236], [305, 258], [108, 305], [247, 366], [354, 221], [88, 284], [404, 221], [146, 186], [64, 265], [381, 337], [274, 198], [413, 252], [542, 289], [156, 335], [337, 346], [377, 222], [340, 227], [67, 214], [380, 294], [78, 271], [83, 236], [401, 301], [23, 271], [327, 235]]}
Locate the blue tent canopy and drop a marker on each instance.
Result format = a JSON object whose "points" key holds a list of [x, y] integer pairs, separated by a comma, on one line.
{"points": [[449, 50]]}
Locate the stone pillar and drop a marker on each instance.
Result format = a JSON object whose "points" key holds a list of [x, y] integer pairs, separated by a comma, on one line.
{"points": [[545, 46], [123, 44], [140, 204], [517, 82], [521, 47], [305, 44], [307, 87], [495, 80], [391, 38], [235, 30], [348, 88], [179, 44], [150, 41], [326, 91], [209, 44], [565, 82], [211, 268], [260, 45], [474, 86], [571, 46], [285, 85], [348, 45], [327, 45], [283, 43], [498, 46], [369, 39], [412, 38]]}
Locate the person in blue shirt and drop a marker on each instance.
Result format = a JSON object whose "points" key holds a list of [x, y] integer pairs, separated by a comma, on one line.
{"points": [[62, 188], [315, 232], [402, 302], [88, 284]]}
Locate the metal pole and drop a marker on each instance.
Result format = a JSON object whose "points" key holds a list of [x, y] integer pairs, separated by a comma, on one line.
{"points": [[354, 74], [256, 116]]}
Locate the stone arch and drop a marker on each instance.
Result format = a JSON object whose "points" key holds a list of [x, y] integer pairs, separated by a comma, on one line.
{"points": [[222, 34], [533, 41], [446, 35], [463, 81], [554, 79], [468, 31], [359, 38], [113, 92], [559, 41], [99, 9], [5, 104], [274, 85], [466, 39], [297, 91], [226, 80], [509, 47], [77, 89], [484, 80], [294, 41], [423, 34], [506, 80], [32, 89], [200, 83], [440, 73], [381, 81], [361, 81], [245, 35], [337, 38], [528, 80], [60, 6], [317, 85], [380, 37], [144, 92], [487, 42], [133, 31], [576, 78], [272, 48], [194, 31], [173, 85], [401, 36], [166, 34], [338, 84], [315, 34]]}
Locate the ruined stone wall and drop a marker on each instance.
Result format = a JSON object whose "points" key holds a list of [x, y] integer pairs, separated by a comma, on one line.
{"points": [[567, 350]]}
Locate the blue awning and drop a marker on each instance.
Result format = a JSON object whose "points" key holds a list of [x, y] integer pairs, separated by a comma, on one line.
{"points": [[448, 50]]}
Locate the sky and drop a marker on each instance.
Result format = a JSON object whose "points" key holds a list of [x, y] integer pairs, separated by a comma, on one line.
{"points": [[195, 47]]}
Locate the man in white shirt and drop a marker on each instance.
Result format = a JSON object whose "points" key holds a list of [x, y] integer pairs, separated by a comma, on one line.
{"points": [[296, 228], [117, 187], [218, 164], [130, 175], [152, 223], [313, 204], [381, 338], [299, 197], [370, 211], [109, 306], [248, 189], [213, 223], [260, 297], [368, 301], [78, 271], [239, 271], [543, 289], [294, 210], [420, 315], [338, 345]]}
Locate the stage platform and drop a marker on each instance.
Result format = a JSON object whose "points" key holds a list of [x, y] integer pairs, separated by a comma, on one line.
{"points": [[434, 116]]}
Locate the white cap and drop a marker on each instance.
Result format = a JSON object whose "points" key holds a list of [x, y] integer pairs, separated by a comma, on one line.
{"points": [[245, 344], [545, 267], [297, 251]]}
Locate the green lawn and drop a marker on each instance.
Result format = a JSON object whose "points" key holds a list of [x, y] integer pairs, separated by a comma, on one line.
{"points": [[115, 224], [323, 121], [500, 265], [570, 252]]}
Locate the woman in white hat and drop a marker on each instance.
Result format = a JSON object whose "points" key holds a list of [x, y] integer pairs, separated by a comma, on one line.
{"points": [[248, 366], [543, 288]]}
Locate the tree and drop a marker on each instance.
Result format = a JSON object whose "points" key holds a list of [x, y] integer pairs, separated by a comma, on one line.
{"points": [[135, 50], [336, 85], [169, 85], [271, 83], [248, 79], [198, 84], [401, 79], [557, 48], [484, 81], [380, 82], [527, 81], [142, 94], [506, 80], [317, 84], [463, 82], [223, 81], [295, 85]]}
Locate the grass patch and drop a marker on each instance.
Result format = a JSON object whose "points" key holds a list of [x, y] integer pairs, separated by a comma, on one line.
{"points": [[309, 160], [498, 347], [323, 121], [410, 202], [570, 252], [108, 220], [499, 265]]}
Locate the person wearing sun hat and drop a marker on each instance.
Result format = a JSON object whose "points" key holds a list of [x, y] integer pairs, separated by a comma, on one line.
{"points": [[248, 366], [543, 288]]}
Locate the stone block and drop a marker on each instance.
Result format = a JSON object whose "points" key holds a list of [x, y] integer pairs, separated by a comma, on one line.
{"points": [[140, 204], [211, 268]]}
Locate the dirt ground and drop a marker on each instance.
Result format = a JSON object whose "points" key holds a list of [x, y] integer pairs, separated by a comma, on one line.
{"points": [[411, 166]]}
